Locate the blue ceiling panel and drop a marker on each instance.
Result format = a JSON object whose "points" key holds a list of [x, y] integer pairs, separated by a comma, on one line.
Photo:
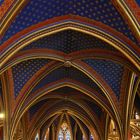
{"points": [[1, 1], [23, 71], [96, 109], [64, 72], [110, 71], [138, 2], [40, 10], [33, 109], [69, 41]]}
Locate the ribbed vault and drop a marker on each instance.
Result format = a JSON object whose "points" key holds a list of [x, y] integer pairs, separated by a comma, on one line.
{"points": [[69, 70]]}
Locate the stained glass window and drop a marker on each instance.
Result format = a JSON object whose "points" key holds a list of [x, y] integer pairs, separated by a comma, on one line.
{"points": [[64, 132], [37, 137]]}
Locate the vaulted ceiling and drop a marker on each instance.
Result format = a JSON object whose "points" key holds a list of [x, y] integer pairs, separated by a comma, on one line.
{"points": [[69, 60]]}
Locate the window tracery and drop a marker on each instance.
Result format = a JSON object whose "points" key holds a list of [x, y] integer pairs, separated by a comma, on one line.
{"points": [[37, 137], [64, 132]]}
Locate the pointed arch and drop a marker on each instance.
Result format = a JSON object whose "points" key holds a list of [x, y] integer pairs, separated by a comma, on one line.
{"points": [[93, 28]]}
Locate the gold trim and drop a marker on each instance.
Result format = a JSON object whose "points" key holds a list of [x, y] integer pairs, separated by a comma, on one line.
{"points": [[43, 93], [73, 26], [81, 127], [130, 16], [130, 92], [29, 58], [10, 14], [115, 109]]}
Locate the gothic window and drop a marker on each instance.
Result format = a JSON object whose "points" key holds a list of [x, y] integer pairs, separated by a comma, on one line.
{"points": [[64, 132], [137, 115], [37, 137]]}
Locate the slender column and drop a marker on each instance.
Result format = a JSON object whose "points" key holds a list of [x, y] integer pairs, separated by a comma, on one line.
{"points": [[75, 131], [1, 133], [129, 135], [53, 132], [50, 133], [79, 135], [6, 108]]}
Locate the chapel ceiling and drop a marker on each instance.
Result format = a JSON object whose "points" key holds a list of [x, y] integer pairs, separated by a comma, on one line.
{"points": [[60, 59]]}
